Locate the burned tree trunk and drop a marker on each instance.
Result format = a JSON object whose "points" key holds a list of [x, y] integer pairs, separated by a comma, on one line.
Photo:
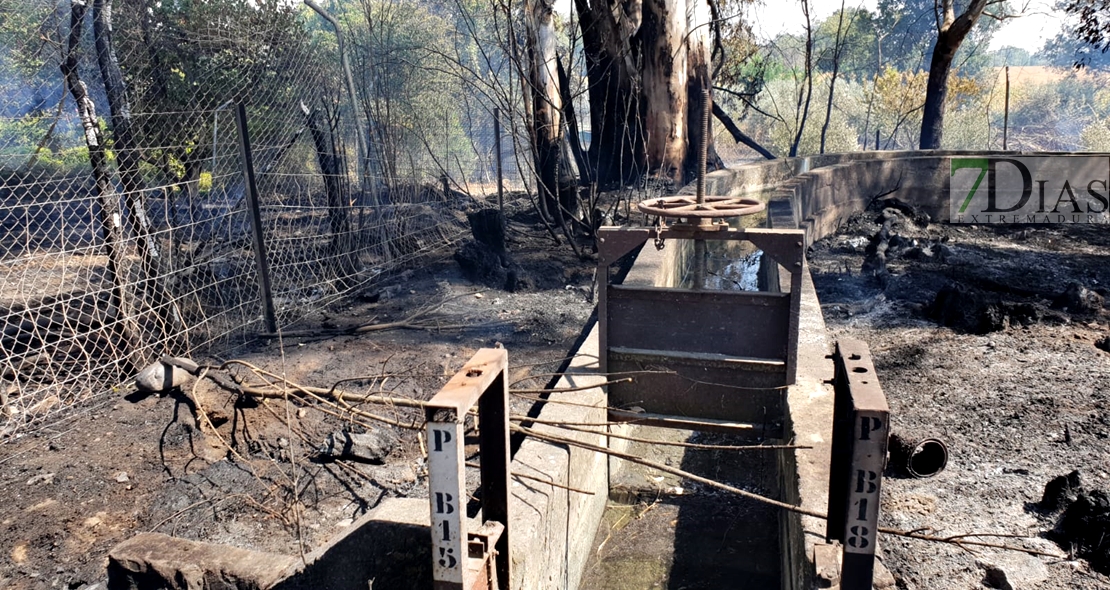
{"points": [[801, 112], [109, 201], [739, 135], [330, 170], [699, 82], [547, 102], [648, 64], [571, 118], [334, 189], [951, 32], [127, 158], [611, 47], [664, 87]]}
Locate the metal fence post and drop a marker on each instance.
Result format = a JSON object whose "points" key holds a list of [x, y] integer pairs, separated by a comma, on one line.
{"points": [[497, 149], [256, 219]]}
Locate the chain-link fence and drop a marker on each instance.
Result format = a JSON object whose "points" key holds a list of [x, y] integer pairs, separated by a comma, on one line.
{"points": [[128, 220]]}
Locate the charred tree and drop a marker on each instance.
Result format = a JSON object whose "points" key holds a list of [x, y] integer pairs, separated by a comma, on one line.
{"points": [[335, 190], [699, 81], [739, 135], [666, 135], [547, 102], [573, 135], [127, 162], [802, 109], [555, 169], [611, 49], [838, 45], [648, 63], [109, 200], [330, 169], [951, 32]]}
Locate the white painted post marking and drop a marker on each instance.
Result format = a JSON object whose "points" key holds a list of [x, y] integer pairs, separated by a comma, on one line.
{"points": [[448, 501]]}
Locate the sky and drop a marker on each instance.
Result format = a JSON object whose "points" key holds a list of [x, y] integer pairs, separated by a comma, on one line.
{"points": [[1028, 32]]}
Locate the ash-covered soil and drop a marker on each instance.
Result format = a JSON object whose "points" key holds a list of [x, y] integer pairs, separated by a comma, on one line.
{"points": [[991, 339], [128, 462]]}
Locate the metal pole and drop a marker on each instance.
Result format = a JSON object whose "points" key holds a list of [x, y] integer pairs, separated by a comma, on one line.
{"points": [[701, 252], [256, 219], [500, 172], [703, 152], [366, 178], [1006, 113], [876, 139]]}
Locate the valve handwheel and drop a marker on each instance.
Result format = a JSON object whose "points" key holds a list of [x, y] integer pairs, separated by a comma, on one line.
{"points": [[687, 206]]}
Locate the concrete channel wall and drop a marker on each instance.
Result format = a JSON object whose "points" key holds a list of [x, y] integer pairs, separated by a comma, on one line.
{"points": [[818, 194]]}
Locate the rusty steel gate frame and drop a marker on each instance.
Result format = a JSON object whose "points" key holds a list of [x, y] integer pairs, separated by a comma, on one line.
{"points": [[742, 313], [861, 429], [464, 559]]}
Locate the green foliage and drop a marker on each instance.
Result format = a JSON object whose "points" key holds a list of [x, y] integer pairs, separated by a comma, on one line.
{"points": [[741, 64], [183, 59], [909, 29], [1013, 56], [859, 44], [778, 131], [1083, 41], [1096, 137], [966, 129], [20, 137], [416, 103]]}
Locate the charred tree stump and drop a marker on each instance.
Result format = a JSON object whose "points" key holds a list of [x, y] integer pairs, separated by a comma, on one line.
{"points": [[486, 260]]}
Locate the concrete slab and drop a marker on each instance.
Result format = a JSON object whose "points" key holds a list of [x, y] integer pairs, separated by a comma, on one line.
{"points": [[154, 560]]}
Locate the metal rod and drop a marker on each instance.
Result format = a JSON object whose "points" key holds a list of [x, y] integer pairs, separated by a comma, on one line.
{"points": [[256, 219], [1006, 113], [701, 252], [703, 153]]}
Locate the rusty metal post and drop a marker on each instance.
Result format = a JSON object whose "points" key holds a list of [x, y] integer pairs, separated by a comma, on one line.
{"points": [[861, 427], [701, 252], [463, 559], [251, 187]]}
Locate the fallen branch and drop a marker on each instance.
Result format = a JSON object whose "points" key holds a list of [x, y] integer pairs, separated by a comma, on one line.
{"points": [[277, 392], [591, 374], [739, 135], [414, 321], [551, 483], [579, 388]]}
